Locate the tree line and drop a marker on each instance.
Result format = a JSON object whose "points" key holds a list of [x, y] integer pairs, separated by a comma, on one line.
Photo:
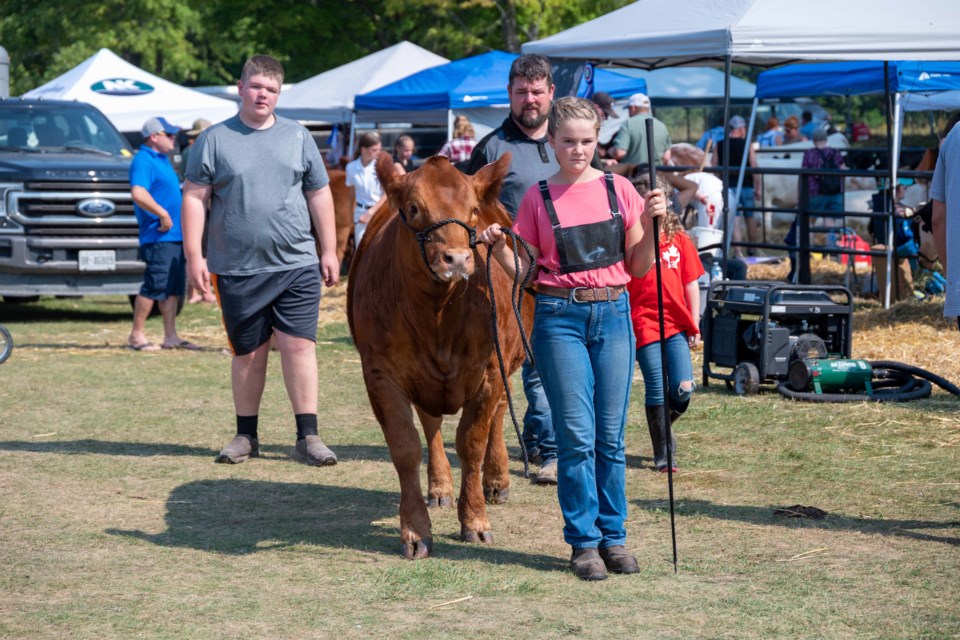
{"points": [[205, 43]]}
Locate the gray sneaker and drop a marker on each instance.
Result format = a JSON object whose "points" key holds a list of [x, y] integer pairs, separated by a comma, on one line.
{"points": [[239, 449], [312, 451], [548, 473]]}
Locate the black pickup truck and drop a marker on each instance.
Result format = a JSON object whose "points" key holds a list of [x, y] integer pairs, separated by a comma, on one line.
{"points": [[67, 225]]}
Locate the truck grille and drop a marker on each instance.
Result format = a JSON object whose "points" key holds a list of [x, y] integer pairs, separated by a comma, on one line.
{"points": [[51, 204]]}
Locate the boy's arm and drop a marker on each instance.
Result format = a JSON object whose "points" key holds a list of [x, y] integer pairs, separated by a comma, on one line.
{"points": [[320, 205]]}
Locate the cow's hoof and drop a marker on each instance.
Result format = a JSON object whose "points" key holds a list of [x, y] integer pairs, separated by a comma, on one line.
{"points": [[494, 495], [417, 550], [445, 502], [476, 536]]}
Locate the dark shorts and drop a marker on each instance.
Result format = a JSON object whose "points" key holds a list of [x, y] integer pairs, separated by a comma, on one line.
{"points": [[253, 306], [166, 271]]}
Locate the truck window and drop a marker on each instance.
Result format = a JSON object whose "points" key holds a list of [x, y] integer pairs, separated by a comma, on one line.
{"points": [[54, 128]]}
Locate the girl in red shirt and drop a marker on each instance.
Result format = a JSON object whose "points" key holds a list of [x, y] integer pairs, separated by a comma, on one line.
{"points": [[680, 267]]}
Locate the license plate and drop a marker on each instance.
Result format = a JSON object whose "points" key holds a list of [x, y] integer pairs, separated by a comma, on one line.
{"points": [[98, 260]]}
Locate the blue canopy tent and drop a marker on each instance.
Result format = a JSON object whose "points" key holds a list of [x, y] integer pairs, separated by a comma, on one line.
{"points": [[914, 77], [858, 78], [474, 86]]}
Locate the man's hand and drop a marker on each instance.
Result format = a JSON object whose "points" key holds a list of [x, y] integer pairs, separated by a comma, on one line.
{"points": [[166, 222], [329, 268], [198, 276]]}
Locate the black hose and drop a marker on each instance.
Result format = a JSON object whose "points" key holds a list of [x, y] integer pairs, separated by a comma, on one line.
{"points": [[894, 382]]}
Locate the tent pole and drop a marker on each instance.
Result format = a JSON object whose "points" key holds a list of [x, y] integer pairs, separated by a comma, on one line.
{"points": [[728, 220], [353, 128], [892, 186], [449, 124], [746, 151]]}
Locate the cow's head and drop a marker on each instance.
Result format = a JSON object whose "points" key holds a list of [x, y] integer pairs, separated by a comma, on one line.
{"points": [[441, 206]]}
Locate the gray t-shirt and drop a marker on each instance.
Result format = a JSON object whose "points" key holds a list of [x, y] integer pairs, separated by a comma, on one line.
{"points": [[531, 161], [945, 187], [259, 221], [632, 138]]}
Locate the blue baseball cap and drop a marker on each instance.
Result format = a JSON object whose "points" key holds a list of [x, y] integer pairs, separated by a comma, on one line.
{"points": [[156, 125]]}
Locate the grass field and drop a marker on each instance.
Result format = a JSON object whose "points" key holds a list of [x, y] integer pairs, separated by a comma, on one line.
{"points": [[115, 523]]}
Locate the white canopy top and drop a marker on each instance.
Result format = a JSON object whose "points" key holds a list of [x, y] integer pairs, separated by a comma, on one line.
{"points": [[129, 96], [328, 97], [657, 33]]}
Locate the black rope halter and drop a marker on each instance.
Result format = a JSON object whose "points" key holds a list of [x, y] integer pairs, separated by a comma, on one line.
{"points": [[423, 237]]}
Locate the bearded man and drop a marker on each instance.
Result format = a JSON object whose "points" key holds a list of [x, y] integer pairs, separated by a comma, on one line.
{"points": [[523, 134]]}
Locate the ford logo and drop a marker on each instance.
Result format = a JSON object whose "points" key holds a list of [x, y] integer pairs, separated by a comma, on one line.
{"points": [[95, 207]]}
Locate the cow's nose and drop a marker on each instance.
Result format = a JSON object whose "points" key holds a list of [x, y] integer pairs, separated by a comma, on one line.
{"points": [[459, 261]]}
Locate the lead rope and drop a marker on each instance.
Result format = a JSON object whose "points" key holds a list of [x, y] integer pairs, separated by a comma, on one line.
{"points": [[519, 284]]}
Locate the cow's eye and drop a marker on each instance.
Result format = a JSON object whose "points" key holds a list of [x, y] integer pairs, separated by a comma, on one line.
{"points": [[412, 211]]}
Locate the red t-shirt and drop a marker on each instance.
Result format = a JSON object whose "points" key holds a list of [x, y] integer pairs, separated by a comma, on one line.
{"points": [[679, 265], [576, 204]]}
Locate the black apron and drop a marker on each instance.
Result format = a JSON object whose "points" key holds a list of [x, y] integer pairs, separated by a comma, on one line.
{"points": [[588, 246]]}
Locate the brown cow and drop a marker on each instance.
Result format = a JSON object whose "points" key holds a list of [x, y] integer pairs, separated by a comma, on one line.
{"points": [[343, 205], [424, 337]]}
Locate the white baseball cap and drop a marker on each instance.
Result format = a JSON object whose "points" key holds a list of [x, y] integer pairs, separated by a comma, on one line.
{"points": [[638, 100]]}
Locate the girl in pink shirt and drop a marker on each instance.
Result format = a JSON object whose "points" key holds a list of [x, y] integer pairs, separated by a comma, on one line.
{"points": [[585, 230]]}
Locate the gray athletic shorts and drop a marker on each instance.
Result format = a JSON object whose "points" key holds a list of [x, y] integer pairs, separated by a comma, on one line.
{"points": [[253, 306]]}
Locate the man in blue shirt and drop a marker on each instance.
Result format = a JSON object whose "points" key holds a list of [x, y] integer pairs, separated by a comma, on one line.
{"points": [[155, 190]]}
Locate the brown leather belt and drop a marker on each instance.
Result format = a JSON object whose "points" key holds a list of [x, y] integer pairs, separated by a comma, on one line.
{"points": [[583, 294]]}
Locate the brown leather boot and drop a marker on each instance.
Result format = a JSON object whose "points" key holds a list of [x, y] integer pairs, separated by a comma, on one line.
{"points": [[587, 564], [619, 560]]}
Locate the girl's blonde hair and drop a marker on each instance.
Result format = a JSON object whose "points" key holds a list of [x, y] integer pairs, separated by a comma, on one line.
{"points": [[462, 128], [570, 108], [670, 224]]}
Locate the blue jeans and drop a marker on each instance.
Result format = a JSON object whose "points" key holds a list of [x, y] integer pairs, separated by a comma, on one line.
{"points": [[679, 369], [538, 433], [746, 200], [584, 354]]}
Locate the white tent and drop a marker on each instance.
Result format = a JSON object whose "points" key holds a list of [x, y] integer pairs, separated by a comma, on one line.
{"points": [[328, 97], [656, 33], [661, 33], [128, 95]]}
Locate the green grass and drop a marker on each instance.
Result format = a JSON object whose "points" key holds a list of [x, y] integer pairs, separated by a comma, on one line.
{"points": [[115, 523]]}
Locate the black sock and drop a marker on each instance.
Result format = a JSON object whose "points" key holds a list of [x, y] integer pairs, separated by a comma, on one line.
{"points": [[306, 425], [247, 426]]}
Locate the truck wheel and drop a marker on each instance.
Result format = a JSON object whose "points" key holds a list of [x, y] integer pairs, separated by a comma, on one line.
{"points": [[746, 379], [6, 344], [155, 311], [20, 299]]}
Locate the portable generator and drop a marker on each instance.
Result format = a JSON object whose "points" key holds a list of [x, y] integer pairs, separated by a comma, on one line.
{"points": [[757, 329]]}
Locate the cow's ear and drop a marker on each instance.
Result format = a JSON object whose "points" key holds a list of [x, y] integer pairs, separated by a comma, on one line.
{"points": [[487, 183], [389, 180]]}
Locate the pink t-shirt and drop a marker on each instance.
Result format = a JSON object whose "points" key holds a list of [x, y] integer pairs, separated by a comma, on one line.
{"points": [[576, 204]]}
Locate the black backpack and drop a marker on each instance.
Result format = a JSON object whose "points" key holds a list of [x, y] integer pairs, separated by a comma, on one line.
{"points": [[829, 185]]}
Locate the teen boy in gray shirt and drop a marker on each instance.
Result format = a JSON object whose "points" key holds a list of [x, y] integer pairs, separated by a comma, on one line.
{"points": [[266, 184]]}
